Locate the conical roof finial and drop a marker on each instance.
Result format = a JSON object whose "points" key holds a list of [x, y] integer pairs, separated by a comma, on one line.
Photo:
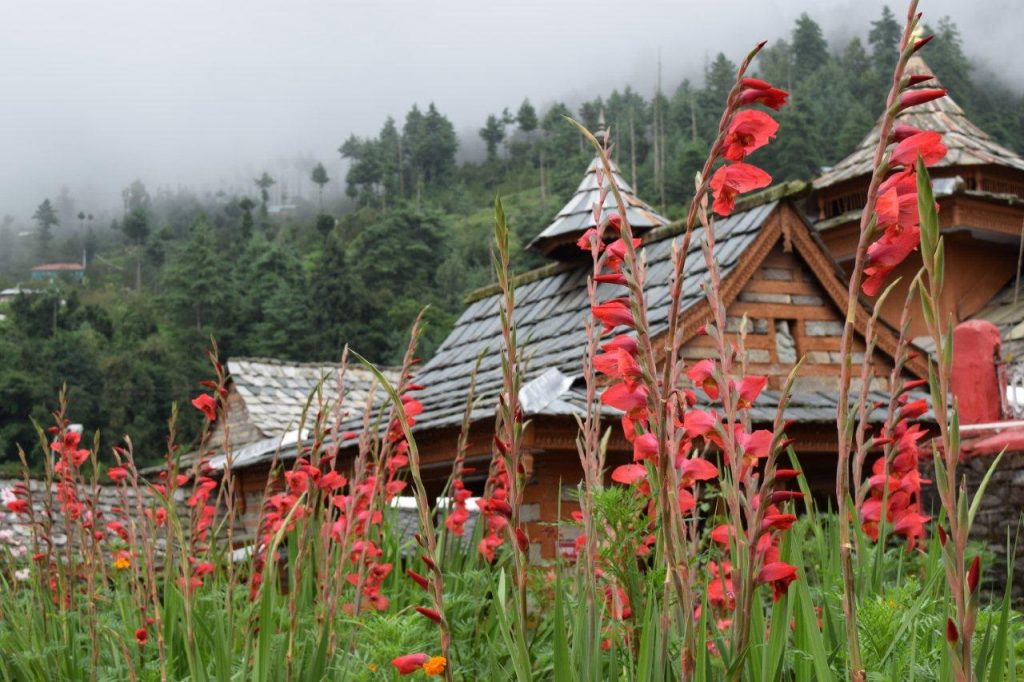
{"points": [[602, 128]]}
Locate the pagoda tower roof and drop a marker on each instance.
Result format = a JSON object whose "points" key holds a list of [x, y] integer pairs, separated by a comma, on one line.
{"points": [[577, 216], [968, 144]]}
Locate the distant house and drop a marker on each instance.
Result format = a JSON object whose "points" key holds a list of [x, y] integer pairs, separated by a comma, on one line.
{"points": [[8, 295], [52, 271]]}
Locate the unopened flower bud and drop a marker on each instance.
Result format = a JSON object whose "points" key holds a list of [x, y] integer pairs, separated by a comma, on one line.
{"points": [[973, 575]]}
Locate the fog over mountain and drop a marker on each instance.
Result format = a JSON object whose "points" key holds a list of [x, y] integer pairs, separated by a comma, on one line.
{"points": [[208, 94]]}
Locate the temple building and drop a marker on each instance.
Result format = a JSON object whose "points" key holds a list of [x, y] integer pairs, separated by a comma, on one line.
{"points": [[775, 270], [979, 186]]}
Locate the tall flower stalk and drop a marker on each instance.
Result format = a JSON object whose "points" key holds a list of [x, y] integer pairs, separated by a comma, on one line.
{"points": [[655, 420], [963, 580], [873, 261]]}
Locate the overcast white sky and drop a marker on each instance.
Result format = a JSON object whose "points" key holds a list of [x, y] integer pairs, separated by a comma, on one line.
{"points": [[204, 93]]}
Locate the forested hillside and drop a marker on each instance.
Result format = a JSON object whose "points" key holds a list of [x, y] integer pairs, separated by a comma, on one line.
{"points": [[298, 279]]}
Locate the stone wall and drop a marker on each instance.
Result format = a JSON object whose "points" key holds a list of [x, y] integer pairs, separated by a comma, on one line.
{"points": [[1000, 513]]}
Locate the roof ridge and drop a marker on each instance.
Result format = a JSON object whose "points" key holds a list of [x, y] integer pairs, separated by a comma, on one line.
{"points": [[278, 362]]}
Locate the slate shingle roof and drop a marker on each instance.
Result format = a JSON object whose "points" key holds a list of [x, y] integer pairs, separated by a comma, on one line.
{"points": [[577, 216], [968, 144], [550, 314], [275, 391]]}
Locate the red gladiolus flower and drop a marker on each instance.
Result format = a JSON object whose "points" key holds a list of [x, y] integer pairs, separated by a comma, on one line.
{"points": [[974, 575], [622, 342], [922, 42], [117, 474], [206, 404], [913, 410], [618, 602], [755, 445], [626, 396], [951, 633], [699, 423], [629, 474], [919, 78], [894, 247], [780, 496], [417, 578], [618, 364], [734, 179], [910, 525], [755, 83], [750, 129], [409, 663], [762, 93], [928, 145], [777, 522], [720, 589], [696, 469], [586, 241], [885, 254], [902, 131], [332, 480], [912, 98], [779, 575], [204, 568], [522, 541], [429, 613], [749, 388], [701, 374], [612, 278], [614, 313], [722, 534], [645, 446], [18, 506], [141, 636]]}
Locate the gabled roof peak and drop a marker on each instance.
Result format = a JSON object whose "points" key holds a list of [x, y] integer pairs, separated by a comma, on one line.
{"points": [[968, 144], [557, 240]]}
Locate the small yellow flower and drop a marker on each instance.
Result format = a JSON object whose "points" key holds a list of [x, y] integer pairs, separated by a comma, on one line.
{"points": [[372, 667], [435, 665], [121, 563]]}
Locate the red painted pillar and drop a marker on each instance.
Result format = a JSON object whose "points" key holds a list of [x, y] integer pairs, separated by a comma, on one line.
{"points": [[975, 382]]}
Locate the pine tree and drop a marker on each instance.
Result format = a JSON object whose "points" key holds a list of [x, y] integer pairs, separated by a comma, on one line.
{"points": [[492, 134], [264, 182], [320, 178], [775, 64], [810, 51], [247, 205], [390, 160], [46, 219], [136, 228], [884, 38], [856, 66], [948, 62], [526, 117]]}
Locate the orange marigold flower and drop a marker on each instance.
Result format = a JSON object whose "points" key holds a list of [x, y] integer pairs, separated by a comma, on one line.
{"points": [[435, 665]]}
